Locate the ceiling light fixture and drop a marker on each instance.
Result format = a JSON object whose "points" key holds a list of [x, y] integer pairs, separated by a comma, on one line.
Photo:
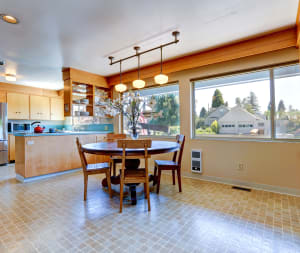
{"points": [[138, 83], [9, 19], [121, 87], [160, 79], [10, 77]]}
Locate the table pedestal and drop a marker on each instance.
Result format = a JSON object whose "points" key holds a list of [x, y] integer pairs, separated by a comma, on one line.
{"points": [[130, 164]]}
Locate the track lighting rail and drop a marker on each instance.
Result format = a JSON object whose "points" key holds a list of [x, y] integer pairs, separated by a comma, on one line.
{"points": [[175, 41]]}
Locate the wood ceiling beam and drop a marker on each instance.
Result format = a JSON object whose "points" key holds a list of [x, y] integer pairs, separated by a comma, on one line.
{"points": [[298, 25], [263, 44]]}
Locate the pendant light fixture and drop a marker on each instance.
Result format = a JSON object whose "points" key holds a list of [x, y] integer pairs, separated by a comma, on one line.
{"points": [[161, 78], [120, 87], [138, 83]]}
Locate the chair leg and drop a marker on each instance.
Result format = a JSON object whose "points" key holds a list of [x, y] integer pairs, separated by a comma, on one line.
{"points": [[173, 176], [145, 190], [85, 178], [158, 181], [179, 179], [121, 192], [148, 195], [155, 176], [108, 183], [114, 168]]}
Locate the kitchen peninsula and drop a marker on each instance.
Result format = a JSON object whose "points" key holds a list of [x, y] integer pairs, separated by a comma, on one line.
{"points": [[48, 153]]}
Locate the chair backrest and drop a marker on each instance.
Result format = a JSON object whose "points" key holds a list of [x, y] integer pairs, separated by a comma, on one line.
{"points": [[113, 137], [81, 154], [180, 139], [138, 144]]}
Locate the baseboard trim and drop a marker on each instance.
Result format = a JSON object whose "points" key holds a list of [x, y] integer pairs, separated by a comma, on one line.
{"points": [[31, 179], [228, 181]]}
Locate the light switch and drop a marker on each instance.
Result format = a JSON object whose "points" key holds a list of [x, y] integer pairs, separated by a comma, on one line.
{"points": [[30, 142]]}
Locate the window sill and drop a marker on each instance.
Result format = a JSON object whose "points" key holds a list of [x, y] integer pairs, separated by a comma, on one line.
{"points": [[240, 139], [155, 136]]}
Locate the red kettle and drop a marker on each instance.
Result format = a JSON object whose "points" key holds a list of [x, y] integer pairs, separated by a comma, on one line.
{"points": [[38, 129]]}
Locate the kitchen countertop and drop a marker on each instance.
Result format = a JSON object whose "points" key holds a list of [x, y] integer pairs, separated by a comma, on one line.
{"points": [[62, 133]]}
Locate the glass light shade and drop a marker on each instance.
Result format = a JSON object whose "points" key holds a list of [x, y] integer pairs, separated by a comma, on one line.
{"points": [[10, 77], [120, 87], [10, 19], [138, 83], [161, 79]]}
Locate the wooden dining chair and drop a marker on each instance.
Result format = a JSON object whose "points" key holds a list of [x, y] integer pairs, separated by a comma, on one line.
{"points": [[91, 169], [114, 161], [138, 175], [173, 165]]}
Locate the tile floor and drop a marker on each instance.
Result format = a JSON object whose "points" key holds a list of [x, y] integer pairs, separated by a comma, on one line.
{"points": [[51, 216]]}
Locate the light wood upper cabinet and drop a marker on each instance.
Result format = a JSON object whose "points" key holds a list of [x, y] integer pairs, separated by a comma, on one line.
{"points": [[57, 109], [18, 106], [39, 108], [3, 97]]}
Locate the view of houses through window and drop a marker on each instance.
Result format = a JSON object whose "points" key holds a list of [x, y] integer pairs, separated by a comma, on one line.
{"points": [[165, 121], [240, 105]]}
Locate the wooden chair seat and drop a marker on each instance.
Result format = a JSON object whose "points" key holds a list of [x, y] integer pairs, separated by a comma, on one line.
{"points": [[174, 166], [90, 169], [166, 164], [133, 176], [97, 166]]}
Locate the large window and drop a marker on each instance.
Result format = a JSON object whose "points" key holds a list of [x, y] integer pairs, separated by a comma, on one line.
{"points": [[287, 102], [166, 106], [261, 104]]}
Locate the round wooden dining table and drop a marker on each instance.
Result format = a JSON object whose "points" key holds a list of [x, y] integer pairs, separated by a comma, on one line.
{"points": [[111, 149]]}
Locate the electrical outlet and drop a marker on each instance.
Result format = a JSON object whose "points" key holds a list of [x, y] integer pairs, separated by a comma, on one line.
{"points": [[241, 167]]}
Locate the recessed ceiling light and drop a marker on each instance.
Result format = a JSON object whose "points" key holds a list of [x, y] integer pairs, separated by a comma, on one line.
{"points": [[10, 77], [9, 19]]}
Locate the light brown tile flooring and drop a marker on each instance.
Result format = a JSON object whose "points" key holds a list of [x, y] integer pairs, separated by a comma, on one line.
{"points": [[51, 216]]}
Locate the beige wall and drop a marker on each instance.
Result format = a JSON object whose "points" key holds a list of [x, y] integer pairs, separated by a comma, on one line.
{"points": [[269, 165]]}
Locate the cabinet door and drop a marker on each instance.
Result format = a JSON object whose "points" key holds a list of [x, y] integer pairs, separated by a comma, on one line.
{"points": [[101, 158], [39, 108], [84, 139], [57, 109], [3, 97], [17, 106], [11, 147]]}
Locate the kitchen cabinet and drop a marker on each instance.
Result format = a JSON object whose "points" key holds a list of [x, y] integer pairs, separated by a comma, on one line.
{"points": [[39, 108], [101, 158], [11, 147], [3, 97], [17, 106], [57, 109], [84, 139]]}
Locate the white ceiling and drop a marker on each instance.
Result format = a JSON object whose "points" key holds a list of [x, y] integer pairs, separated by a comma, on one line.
{"points": [[81, 33]]}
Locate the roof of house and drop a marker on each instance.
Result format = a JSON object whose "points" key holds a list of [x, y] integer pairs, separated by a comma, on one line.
{"points": [[219, 112], [240, 114]]}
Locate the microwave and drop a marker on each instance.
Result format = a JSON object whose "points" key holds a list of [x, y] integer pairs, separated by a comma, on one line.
{"points": [[18, 127]]}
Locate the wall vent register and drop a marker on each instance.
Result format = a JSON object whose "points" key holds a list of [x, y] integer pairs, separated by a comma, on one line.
{"points": [[196, 163]]}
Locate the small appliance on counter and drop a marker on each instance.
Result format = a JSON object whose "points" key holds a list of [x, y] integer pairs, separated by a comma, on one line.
{"points": [[38, 129], [14, 127]]}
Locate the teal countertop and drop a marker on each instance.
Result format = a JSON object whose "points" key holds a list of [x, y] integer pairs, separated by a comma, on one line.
{"points": [[62, 133]]}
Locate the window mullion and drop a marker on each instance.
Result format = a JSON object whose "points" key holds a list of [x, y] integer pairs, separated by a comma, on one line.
{"points": [[273, 109]]}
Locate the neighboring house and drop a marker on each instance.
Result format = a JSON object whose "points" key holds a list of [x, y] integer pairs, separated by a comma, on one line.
{"points": [[240, 121], [216, 114]]}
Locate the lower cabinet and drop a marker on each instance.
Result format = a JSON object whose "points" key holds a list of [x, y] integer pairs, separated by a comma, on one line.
{"points": [[84, 139], [11, 147]]}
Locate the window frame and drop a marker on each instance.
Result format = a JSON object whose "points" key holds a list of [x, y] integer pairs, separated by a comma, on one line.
{"points": [[153, 87], [272, 137]]}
